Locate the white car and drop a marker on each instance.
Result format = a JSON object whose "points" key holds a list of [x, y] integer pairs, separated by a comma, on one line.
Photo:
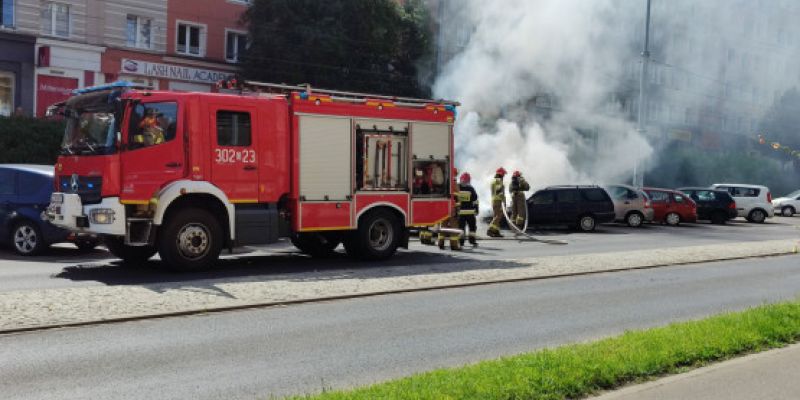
{"points": [[787, 205], [753, 202]]}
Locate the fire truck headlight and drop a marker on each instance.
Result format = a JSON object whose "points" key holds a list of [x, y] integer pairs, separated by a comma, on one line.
{"points": [[101, 216]]}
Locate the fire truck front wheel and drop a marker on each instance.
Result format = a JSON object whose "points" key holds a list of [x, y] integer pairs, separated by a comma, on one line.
{"points": [[378, 235], [191, 239], [131, 255]]}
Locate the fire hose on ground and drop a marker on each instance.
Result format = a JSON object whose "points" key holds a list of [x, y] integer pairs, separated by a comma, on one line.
{"points": [[524, 230]]}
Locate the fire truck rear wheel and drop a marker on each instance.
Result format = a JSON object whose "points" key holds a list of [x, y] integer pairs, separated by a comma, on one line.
{"points": [[190, 240], [316, 244], [132, 255], [378, 235]]}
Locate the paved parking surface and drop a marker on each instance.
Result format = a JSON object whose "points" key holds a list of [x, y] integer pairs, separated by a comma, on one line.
{"points": [[65, 266]]}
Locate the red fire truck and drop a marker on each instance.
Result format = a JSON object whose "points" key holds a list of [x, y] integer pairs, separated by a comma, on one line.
{"points": [[189, 174]]}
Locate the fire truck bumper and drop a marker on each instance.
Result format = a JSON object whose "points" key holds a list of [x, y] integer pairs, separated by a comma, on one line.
{"points": [[106, 218]]}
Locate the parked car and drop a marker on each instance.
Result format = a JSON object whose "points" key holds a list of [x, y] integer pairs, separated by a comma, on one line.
{"points": [[787, 205], [671, 206], [577, 206], [24, 193], [631, 205], [753, 202], [716, 206]]}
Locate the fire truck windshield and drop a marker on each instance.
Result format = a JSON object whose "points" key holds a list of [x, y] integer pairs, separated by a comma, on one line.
{"points": [[91, 125]]}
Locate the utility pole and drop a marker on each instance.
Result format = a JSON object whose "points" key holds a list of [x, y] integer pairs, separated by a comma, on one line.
{"points": [[638, 168]]}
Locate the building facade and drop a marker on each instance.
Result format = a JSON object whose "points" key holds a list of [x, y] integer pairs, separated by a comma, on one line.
{"points": [[49, 48]]}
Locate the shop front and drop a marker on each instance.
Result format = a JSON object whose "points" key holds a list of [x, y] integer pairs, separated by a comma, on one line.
{"points": [[16, 73], [152, 71], [62, 67]]}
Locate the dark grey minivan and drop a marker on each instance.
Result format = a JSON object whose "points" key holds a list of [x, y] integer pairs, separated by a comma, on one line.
{"points": [[582, 207]]}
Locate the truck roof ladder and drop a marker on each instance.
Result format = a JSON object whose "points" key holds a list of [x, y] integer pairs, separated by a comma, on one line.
{"points": [[342, 95]]}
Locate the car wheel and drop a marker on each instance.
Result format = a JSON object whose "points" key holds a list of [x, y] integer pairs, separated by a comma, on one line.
{"points": [[634, 220], [26, 239], [132, 255], [191, 240], [757, 216], [672, 219], [587, 223], [787, 211]]}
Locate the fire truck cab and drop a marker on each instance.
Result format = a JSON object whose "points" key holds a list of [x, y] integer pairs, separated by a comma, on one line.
{"points": [[189, 174]]}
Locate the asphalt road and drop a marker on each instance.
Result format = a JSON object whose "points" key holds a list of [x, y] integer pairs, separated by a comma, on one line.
{"points": [[65, 266], [306, 348]]}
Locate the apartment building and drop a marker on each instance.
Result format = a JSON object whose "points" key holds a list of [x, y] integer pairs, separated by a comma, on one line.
{"points": [[50, 48]]}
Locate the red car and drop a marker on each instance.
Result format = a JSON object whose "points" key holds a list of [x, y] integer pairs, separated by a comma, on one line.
{"points": [[672, 207]]}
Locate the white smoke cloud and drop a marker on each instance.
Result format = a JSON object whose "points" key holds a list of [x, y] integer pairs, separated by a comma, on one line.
{"points": [[574, 51]]}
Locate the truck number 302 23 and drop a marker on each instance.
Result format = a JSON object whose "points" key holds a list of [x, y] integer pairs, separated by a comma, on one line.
{"points": [[229, 156]]}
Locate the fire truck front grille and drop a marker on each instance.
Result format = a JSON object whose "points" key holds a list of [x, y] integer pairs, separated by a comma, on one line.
{"points": [[89, 188]]}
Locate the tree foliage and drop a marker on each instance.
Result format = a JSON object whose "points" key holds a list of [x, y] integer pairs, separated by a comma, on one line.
{"points": [[362, 45], [30, 140]]}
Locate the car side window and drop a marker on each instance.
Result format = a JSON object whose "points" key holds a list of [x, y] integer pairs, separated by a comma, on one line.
{"points": [[152, 124], [544, 198], [618, 192], [705, 195], [8, 182], [658, 197], [567, 196], [630, 194], [751, 192], [678, 198], [593, 195]]}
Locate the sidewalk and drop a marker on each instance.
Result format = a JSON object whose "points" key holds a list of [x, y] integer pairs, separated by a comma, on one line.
{"points": [[768, 375]]}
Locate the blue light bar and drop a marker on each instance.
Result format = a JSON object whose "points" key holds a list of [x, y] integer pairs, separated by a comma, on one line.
{"points": [[109, 86]]}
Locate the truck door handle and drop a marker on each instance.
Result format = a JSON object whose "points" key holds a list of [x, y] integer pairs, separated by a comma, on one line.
{"points": [[172, 164], [249, 167]]}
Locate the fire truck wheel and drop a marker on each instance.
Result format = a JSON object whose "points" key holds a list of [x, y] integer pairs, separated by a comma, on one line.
{"points": [[316, 244], [378, 235], [128, 254], [190, 240]]}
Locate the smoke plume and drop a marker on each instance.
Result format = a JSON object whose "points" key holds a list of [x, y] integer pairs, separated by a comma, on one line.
{"points": [[549, 87]]}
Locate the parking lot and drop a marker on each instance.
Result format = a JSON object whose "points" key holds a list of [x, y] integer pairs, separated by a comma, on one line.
{"points": [[65, 266]]}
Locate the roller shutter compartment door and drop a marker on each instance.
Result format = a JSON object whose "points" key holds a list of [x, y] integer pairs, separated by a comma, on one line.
{"points": [[430, 141], [325, 158]]}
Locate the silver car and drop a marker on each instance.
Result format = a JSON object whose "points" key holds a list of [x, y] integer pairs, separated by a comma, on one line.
{"points": [[631, 205]]}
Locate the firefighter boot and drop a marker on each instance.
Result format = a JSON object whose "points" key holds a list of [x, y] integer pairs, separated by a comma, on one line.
{"points": [[494, 232], [472, 240], [441, 242], [461, 241], [455, 244]]}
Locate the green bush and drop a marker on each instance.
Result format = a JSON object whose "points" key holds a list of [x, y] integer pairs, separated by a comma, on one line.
{"points": [[30, 140]]}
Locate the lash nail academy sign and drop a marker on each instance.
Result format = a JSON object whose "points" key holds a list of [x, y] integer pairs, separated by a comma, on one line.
{"points": [[175, 72]]}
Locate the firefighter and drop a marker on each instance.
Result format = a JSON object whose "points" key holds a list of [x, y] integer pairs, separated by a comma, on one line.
{"points": [[451, 225], [467, 208], [498, 202], [518, 188]]}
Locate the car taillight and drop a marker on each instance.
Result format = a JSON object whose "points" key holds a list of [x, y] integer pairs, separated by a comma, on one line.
{"points": [[732, 205], [769, 197], [647, 204]]}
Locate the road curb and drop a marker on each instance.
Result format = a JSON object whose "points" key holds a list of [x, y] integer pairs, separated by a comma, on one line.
{"points": [[321, 299]]}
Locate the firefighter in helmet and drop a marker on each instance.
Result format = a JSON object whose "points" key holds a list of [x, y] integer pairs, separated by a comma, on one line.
{"points": [[467, 208], [498, 202], [518, 188]]}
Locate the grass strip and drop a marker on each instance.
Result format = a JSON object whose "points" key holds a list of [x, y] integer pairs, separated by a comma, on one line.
{"points": [[578, 370]]}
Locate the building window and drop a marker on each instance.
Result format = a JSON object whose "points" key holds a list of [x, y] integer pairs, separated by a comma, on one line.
{"points": [[235, 46], [56, 19], [7, 17], [6, 94], [191, 39], [138, 32]]}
